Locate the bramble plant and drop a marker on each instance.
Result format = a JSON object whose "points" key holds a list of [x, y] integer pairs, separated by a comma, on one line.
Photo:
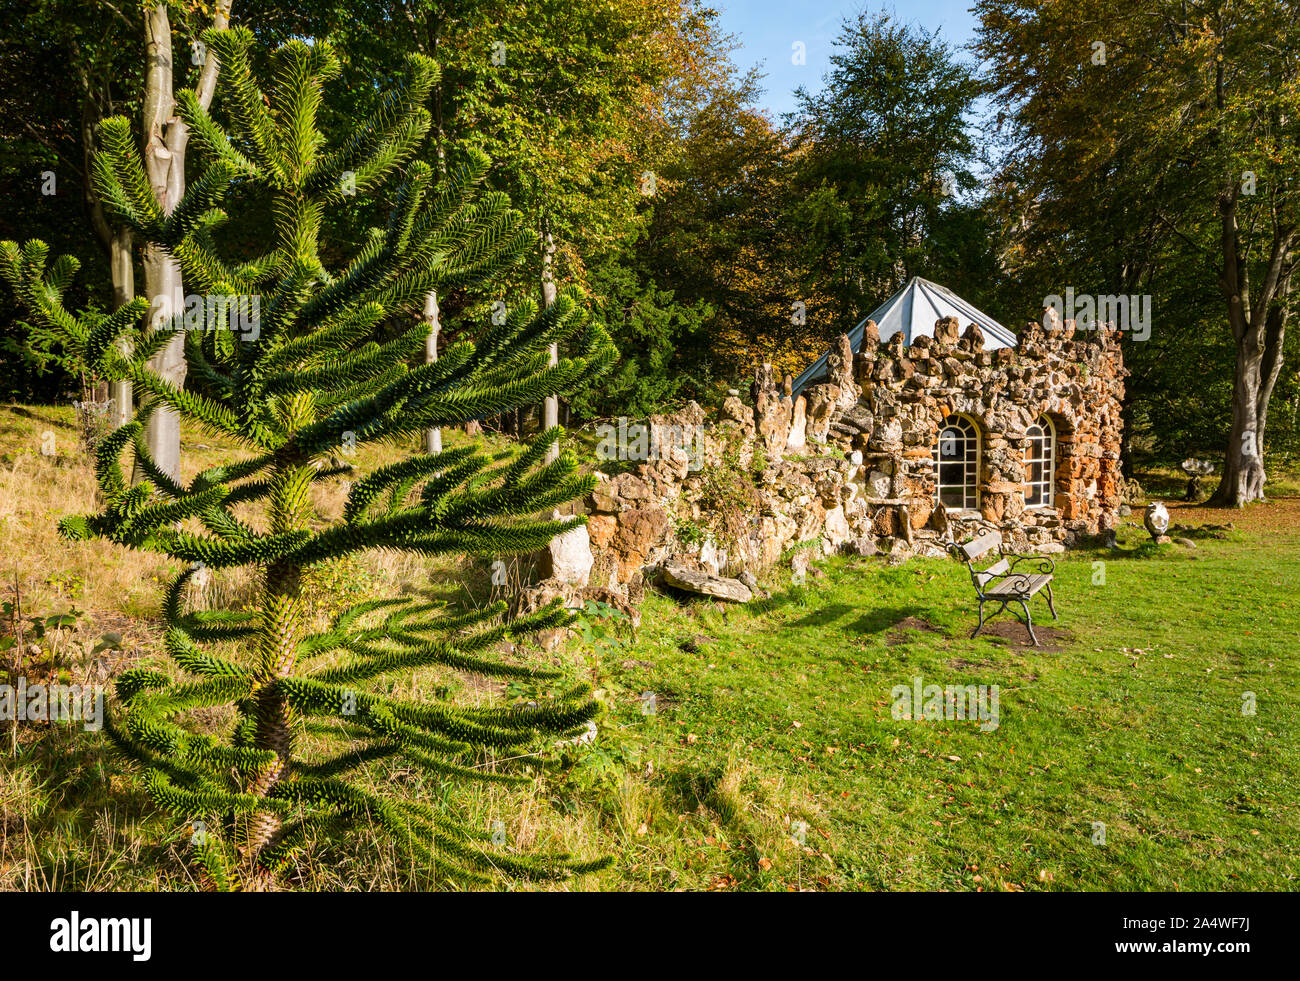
{"points": [[304, 385]]}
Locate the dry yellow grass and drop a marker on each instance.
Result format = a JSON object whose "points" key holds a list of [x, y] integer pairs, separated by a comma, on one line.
{"points": [[45, 475]]}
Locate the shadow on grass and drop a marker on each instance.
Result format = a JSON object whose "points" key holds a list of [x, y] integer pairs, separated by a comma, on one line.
{"points": [[686, 789], [68, 846], [1145, 550], [25, 413], [777, 601], [825, 616], [758, 607], [887, 618]]}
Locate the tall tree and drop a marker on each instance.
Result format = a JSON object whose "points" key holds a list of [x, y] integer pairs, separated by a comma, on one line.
{"points": [[295, 386], [97, 49], [166, 140], [567, 97], [884, 151], [1148, 142], [721, 238]]}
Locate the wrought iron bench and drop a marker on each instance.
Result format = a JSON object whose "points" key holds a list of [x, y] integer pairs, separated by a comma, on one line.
{"points": [[1001, 583]]}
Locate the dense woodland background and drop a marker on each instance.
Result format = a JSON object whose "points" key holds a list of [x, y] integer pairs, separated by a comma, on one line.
{"points": [[713, 237]]}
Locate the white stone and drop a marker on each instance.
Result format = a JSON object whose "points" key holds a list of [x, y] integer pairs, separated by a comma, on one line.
{"points": [[837, 527], [1156, 519], [798, 437], [584, 738], [571, 557], [709, 557]]}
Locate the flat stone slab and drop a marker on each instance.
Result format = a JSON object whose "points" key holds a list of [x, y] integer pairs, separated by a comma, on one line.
{"points": [[718, 587]]}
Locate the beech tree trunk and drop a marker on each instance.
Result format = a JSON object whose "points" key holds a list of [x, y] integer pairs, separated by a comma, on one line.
{"points": [[1243, 469], [433, 435], [123, 273], [1274, 346], [116, 241], [551, 407], [165, 140], [1257, 330]]}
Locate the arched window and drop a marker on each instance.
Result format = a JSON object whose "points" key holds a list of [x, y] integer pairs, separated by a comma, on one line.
{"points": [[957, 464], [1040, 463]]}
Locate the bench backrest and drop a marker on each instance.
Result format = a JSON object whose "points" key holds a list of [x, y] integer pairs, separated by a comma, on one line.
{"points": [[977, 547], [971, 552]]}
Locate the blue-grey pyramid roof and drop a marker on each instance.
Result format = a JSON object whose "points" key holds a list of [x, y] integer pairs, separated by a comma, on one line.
{"points": [[914, 310]]}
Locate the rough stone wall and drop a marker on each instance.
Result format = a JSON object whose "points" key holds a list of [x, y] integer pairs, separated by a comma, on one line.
{"points": [[849, 463]]}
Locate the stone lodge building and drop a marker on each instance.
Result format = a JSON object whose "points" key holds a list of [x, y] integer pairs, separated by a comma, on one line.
{"points": [[911, 432]]}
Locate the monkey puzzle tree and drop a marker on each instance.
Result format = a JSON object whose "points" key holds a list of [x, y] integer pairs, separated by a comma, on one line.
{"points": [[296, 384]]}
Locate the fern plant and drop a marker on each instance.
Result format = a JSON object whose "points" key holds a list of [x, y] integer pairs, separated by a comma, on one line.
{"points": [[302, 386]]}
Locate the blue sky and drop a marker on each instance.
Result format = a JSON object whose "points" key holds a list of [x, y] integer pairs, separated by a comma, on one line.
{"points": [[768, 29]]}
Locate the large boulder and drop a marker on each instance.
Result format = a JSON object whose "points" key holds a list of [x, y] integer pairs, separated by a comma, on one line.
{"points": [[836, 529], [601, 529], [620, 493], [679, 576], [570, 556], [638, 531]]}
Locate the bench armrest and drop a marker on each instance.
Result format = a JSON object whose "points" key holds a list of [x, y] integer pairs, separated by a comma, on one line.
{"points": [[1045, 565]]}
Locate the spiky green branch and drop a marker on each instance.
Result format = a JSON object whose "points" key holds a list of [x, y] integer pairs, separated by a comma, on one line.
{"points": [[296, 386]]}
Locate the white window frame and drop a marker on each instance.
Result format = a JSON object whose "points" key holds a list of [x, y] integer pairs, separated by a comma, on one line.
{"points": [[1044, 488], [967, 445]]}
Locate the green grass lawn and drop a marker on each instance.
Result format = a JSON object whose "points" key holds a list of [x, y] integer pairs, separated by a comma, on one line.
{"points": [[771, 759], [783, 715]]}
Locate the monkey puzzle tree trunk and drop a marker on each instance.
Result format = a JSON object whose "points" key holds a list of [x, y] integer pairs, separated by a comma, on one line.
{"points": [[281, 630], [280, 633]]}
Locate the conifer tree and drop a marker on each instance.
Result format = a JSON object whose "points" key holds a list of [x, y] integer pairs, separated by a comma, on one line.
{"points": [[296, 385]]}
